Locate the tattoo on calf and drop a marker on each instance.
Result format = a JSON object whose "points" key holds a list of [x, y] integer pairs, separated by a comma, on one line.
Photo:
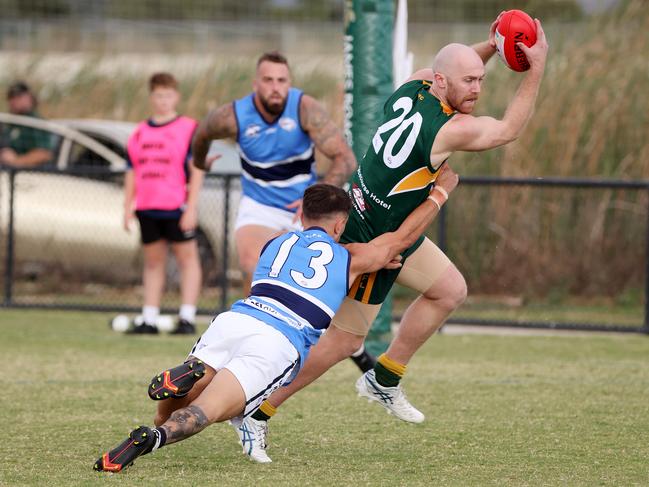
{"points": [[184, 423]]}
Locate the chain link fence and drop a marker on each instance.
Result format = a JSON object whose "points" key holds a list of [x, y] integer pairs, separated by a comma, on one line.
{"points": [[518, 245], [64, 245]]}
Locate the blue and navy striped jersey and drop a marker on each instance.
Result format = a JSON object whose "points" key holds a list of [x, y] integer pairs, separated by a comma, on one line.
{"points": [[277, 159], [299, 284]]}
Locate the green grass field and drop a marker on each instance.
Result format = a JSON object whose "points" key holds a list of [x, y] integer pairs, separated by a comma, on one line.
{"points": [[501, 410]]}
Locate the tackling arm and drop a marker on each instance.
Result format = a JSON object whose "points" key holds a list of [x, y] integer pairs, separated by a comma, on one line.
{"points": [[220, 123], [381, 251]]}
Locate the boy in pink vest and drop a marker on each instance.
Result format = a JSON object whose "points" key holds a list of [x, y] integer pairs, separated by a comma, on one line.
{"points": [[162, 191]]}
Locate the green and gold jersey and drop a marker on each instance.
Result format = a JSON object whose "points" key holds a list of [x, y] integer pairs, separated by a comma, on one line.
{"points": [[395, 175]]}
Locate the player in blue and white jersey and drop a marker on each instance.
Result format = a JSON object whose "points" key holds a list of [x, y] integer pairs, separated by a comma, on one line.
{"points": [[249, 352], [277, 129]]}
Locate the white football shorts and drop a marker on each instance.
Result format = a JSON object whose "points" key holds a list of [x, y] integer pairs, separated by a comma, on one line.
{"points": [[260, 357], [252, 212]]}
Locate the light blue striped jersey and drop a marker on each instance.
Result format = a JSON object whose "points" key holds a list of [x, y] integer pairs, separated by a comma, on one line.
{"points": [[277, 159], [300, 282]]}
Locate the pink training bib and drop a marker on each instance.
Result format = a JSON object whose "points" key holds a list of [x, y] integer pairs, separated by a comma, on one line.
{"points": [[158, 155]]}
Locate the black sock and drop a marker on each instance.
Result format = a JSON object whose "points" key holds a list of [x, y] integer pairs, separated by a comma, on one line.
{"points": [[259, 415], [364, 361]]}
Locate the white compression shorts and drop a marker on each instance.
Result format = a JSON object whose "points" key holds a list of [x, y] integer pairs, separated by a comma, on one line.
{"points": [[260, 357], [252, 212]]}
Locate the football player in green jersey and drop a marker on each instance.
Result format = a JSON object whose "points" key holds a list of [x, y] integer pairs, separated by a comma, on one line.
{"points": [[425, 121]]}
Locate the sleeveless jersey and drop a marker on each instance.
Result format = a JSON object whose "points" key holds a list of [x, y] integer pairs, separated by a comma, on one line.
{"points": [[158, 154], [395, 175], [300, 282], [277, 159]]}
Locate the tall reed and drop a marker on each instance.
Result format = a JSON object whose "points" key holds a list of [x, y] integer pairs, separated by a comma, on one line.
{"points": [[591, 120]]}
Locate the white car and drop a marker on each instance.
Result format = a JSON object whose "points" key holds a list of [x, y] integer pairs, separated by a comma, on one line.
{"points": [[68, 216]]}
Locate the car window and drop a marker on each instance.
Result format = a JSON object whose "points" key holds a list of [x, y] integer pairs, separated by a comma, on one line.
{"points": [[91, 164], [23, 139], [82, 158], [111, 144]]}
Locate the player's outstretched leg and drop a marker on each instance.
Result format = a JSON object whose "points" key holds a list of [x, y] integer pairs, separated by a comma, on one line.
{"points": [[176, 382], [252, 436], [393, 399], [140, 441]]}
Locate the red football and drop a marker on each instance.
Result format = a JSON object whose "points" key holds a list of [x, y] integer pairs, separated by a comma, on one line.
{"points": [[515, 26]]}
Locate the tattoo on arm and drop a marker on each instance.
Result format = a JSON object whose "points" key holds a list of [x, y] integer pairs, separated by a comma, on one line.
{"points": [[329, 140], [220, 123], [184, 423], [339, 174]]}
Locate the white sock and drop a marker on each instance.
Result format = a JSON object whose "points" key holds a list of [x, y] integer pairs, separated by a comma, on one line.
{"points": [[187, 312], [359, 352], [150, 314]]}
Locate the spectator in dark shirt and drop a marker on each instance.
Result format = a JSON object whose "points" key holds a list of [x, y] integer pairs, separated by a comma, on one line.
{"points": [[21, 146]]}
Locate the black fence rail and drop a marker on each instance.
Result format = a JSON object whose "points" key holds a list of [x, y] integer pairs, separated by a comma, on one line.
{"points": [[554, 182], [19, 215]]}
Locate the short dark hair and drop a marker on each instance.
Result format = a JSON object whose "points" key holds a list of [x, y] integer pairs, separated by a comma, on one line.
{"points": [[273, 57], [18, 88], [322, 200], [162, 80]]}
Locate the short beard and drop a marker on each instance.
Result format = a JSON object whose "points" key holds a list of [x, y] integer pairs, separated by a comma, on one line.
{"points": [[275, 109], [466, 112], [457, 104]]}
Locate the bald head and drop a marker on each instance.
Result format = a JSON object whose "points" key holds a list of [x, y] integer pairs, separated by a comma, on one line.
{"points": [[458, 72], [456, 58]]}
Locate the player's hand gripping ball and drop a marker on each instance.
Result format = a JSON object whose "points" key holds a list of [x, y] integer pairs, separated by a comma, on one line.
{"points": [[515, 26]]}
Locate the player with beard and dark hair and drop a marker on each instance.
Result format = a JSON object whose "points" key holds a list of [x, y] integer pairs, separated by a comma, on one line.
{"points": [[277, 129], [272, 96]]}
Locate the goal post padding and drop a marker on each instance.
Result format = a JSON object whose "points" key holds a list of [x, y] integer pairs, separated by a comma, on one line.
{"points": [[368, 83]]}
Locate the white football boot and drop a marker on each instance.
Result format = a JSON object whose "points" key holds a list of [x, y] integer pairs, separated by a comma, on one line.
{"points": [[252, 436], [391, 398]]}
